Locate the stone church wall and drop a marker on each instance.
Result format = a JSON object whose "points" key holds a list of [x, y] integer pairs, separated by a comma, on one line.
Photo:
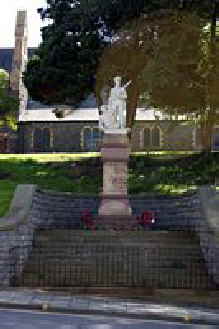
{"points": [[70, 136], [64, 136], [172, 136]]}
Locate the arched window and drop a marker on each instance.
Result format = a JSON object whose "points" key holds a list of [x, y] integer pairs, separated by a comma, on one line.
{"points": [[155, 137], [46, 139], [37, 140], [147, 137], [91, 138], [216, 139], [151, 137], [87, 139], [198, 137], [41, 140], [96, 138]]}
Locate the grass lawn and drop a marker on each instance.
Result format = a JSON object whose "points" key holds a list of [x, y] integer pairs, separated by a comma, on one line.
{"points": [[166, 172], [49, 171]]}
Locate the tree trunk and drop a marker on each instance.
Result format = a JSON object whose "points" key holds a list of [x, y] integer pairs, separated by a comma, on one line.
{"points": [[131, 107], [207, 129]]}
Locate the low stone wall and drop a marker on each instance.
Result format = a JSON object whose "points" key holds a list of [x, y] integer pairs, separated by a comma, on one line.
{"points": [[207, 229], [16, 234], [63, 210]]}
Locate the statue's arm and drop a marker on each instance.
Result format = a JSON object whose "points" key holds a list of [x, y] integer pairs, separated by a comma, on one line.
{"points": [[123, 93]]}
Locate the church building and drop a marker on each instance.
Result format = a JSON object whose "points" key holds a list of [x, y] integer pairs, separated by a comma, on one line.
{"points": [[43, 128]]}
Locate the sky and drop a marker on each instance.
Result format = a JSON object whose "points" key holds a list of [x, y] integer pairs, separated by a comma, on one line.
{"points": [[8, 10]]}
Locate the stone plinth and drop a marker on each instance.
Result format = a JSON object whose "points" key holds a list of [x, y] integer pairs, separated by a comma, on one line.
{"points": [[115, 155], [116, 222]]}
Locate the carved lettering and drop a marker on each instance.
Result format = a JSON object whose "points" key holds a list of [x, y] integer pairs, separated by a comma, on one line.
{"points": [[120, 182]]}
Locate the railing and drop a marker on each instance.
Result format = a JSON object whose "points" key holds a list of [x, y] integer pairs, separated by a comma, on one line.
{"points": [[96, 262]]}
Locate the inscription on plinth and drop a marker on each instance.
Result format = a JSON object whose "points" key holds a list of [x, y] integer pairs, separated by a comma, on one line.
{"points": [[115, 178], [115, 200]]}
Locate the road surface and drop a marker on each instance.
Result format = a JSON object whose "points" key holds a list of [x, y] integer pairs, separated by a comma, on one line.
{"points": [[10, 319]]}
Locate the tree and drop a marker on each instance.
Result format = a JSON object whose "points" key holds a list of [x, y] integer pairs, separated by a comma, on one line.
{"points": [[8, 104], [132, 51], [63, 69], [182, 76], [75, 59], [171, 59]]}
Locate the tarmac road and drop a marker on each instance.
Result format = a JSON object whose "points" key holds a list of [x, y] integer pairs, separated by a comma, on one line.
{"points": [[11, 319]]}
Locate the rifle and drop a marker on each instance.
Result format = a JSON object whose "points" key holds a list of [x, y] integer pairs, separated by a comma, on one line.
{"points": [[127, 84]]}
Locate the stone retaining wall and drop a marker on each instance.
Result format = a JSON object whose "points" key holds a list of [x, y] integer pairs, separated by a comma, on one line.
{"points": [[63, 210], [208, 233], [16, 234]]}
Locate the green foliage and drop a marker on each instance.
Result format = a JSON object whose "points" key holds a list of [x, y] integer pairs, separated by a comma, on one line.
{"points": [[172, 174], [65, 66], [158, 50], [4, 79], [8, 104], [181, 76], [63, 70], [49, 172]]}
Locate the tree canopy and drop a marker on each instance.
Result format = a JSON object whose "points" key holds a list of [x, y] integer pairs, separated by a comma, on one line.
{"points": [[63, 69], [170, 55], [182, 76], [87, 42]]}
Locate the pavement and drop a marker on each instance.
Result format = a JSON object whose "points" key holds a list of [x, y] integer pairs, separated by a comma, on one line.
{"points": [[23, 319], [58, 302]]}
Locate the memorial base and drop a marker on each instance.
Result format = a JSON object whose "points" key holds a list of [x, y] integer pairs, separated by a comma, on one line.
{"points": [[118, 223], [113, 205], [115, 155]]}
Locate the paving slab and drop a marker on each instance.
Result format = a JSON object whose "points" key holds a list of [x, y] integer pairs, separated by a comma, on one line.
{"points": [[40, 300], [61, 302], [58, 302], [80, 305], [118, 307]]}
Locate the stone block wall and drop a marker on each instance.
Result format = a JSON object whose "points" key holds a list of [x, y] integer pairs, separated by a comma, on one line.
{"points": [[208, 234], [63, 210], [5, 259], [16, 234], [66, 136]]}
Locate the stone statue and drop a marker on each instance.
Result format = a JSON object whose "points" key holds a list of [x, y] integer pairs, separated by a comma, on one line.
{"points": [[107, 119], [114, 115]]}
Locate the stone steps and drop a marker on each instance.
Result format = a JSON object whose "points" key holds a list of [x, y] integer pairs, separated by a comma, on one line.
{"points": [[95, 235], [153, 259], [168, 256]]}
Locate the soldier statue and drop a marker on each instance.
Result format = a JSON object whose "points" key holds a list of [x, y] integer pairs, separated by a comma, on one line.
{"points": [[113, 115]]}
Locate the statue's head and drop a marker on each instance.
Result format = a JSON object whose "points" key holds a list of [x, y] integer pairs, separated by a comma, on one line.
{"points": [[117, 81]]}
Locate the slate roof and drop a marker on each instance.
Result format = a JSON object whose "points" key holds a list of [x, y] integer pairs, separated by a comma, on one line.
{"points": [[88, 114], [6, 56]]}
